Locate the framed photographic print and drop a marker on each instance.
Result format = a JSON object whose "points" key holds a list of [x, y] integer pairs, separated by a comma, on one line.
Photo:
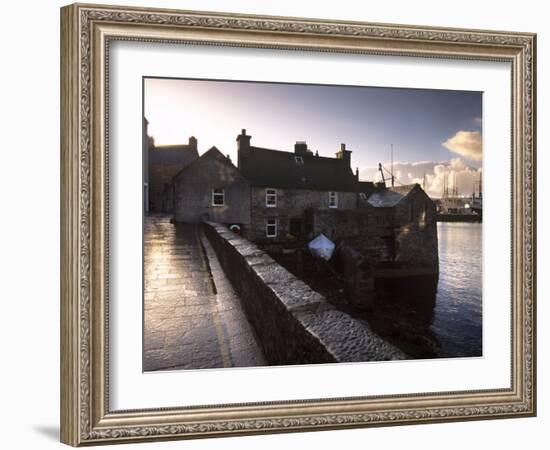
{"points": [[276, 224]]}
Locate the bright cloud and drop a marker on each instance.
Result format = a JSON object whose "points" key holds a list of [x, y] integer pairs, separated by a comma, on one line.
{"points": [[436, 173], [465, 143]]}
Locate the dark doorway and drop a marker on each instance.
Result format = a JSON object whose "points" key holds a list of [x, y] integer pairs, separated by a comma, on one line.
{"points": [[295, 227]]}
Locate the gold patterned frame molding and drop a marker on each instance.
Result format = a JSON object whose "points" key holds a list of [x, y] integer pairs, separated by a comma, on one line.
{"points": [[86, 31]]}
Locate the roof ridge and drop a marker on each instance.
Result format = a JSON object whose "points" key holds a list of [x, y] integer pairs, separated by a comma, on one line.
{"points": [[291, 153], [212, 149]]}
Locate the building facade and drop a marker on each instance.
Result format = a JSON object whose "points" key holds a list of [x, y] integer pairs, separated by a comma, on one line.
{"points": [[212, 188], [285, 184], [284, 198], [395, 225], [392, 236], [407, 220], [163, 162]]}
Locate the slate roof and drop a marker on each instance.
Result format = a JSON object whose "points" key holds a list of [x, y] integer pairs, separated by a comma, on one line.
{"points": [[279, 169], [390, 196], [223, 165], [172, 154]]}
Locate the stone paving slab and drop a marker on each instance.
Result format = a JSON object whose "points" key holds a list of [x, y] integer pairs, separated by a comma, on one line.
{"points": [[192, 317]]}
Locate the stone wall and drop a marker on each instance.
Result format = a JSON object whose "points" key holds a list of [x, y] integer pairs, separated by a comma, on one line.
{"points": [[335, 223], [369, 231], [399, 241], [416, 232], [358, 274], [193, 191], [295, 324], [402, 235], [291, 204]]}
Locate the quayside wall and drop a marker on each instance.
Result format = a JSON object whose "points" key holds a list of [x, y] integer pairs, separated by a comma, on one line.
{"points": [[294, 324]]}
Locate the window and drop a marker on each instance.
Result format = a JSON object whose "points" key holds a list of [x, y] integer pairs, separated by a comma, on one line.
{"points": [[333, 199], [271, 228], [218, 197], [271, 198], [299, 160]]}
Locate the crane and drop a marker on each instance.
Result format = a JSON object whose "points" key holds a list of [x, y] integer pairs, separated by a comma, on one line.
{"points": [[382, 169], [381, 172]]}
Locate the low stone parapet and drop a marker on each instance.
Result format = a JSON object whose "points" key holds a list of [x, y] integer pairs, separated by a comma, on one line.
{"points": [[295, 325]]}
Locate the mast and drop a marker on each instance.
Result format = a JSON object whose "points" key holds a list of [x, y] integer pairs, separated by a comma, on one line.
{"points": [[392, 177], [480, 183], [455, 191]]}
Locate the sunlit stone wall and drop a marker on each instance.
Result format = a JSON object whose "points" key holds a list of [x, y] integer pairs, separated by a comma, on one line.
{"points": [[294, 324]]}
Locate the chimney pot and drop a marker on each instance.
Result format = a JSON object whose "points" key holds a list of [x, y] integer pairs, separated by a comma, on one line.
{"points": [[344, 154], [300, 148]]}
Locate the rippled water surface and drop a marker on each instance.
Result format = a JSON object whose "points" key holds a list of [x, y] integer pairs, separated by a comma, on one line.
{"points": [[457, 321]]}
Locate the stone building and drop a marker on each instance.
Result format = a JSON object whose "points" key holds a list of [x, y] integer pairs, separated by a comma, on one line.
{"points": [[280, 199], [392, 226], [162, 163], [411, 215], [391, 236], [285, 184], [212, 188]]}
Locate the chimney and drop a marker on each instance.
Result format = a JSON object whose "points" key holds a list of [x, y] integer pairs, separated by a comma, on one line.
{"points": [[344, 154], [243, 147], [243, 141], [300, 148], [192, 142]]}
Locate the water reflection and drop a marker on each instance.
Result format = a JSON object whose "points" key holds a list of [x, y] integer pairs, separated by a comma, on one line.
{"points": [[458, 312], [403, 313], [431, 317]]}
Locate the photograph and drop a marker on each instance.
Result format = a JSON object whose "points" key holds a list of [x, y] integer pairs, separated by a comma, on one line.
{"points": [[288, 224]]}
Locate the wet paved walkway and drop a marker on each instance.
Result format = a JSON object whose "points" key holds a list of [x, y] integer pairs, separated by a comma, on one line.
{"points": [[192, 317]]}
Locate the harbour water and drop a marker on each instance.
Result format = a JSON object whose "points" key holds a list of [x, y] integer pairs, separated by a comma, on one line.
{"points": [[436, 317], [425, 316], [457, 319]]}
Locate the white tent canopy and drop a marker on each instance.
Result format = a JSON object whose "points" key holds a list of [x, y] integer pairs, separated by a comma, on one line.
{"points": [[322, 247]]}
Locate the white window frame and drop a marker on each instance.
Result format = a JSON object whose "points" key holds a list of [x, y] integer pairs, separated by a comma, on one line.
{"points": [[214, 194], [267, 225], [271, 193], [333, 199], [299, 160]]}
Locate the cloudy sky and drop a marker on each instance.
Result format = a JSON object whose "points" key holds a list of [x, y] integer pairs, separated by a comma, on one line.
{"points": [[433, 132]]}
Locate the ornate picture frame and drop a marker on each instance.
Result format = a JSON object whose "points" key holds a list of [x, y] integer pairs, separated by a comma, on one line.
{"points": [[87, 32]]}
